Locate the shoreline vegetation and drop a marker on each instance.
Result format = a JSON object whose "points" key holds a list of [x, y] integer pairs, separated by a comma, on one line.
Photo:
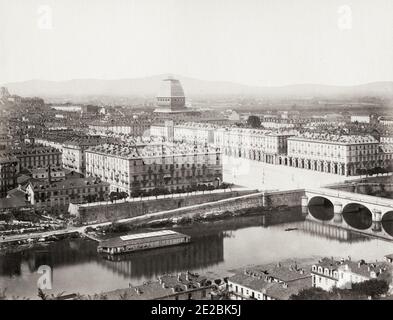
{"points": [[115, 228]]}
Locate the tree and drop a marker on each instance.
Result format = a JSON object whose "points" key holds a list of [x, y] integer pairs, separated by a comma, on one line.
{"points": [[254, 121], [155, 192], [311, 294], [373, 287], [202, 188]]}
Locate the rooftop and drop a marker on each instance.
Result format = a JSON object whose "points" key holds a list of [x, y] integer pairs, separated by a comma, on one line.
{"points": [[164, 286], [141, 237], [261, 132], [65, 184], [128, 151], [171, 87], [327, 137]]}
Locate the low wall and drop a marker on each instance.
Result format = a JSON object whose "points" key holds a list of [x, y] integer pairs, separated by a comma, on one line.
{"points": [[121, 210], [363, 188], [291, 198]]}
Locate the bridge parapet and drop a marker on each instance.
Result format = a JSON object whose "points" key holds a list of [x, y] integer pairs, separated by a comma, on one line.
{"points": [[332, 195]]}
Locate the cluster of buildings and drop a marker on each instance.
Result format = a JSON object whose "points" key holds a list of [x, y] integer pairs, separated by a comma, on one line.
{"points": [[175, 149], [269, 282], [329, 273], [183, 286], [282, 280], [323, 152], [134, 128], [55, 197]]}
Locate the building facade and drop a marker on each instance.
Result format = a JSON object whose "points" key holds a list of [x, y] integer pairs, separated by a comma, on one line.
{"points": [[73, 155], [147, 167], [133, 128], [52, 174], [361, 118], [191, 132], [9, 168], [56, 196], [36, 156], [253, 144], [268, 282], [328, 273], [337, 154]]}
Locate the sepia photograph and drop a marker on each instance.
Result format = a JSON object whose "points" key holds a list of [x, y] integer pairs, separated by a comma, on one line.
{"points": [[214, 151]]}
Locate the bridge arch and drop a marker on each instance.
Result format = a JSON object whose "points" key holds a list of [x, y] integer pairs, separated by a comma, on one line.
{"points": [[321, 208], [387, 223], [357, 216]]}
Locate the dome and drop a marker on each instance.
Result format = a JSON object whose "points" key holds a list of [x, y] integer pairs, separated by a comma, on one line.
{"points": [[171, 96], [171, 88]]}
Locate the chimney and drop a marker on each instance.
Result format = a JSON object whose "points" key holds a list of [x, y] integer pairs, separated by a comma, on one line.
{"points": [[359, 264], [285, 285], [178, 276]]}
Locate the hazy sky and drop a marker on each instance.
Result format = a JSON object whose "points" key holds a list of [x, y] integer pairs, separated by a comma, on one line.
{"points": [[256, 42]]}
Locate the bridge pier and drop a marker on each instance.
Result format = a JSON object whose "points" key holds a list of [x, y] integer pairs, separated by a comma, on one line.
{"points": [[376, 220], [304, 203], [338, 209]]}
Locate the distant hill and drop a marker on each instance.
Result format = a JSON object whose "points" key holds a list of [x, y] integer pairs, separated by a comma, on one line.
{"points": [[149, 86]]}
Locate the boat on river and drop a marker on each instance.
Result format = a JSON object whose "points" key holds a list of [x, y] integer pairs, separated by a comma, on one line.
{"points": [[142, 241]]}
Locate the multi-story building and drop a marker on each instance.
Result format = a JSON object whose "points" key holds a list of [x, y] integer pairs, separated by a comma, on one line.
{"points": [[50, 174], [134, 128], [388, 139], [330, 153], [191, 132], [5, 141], [328, 273], [387, 121], [56, 196], [254, 144], [154, 166], [36, 156], [361, 118], [164, 130], [73, 156], [56, 138], [325, 273], [9, 168], [269, 282]]}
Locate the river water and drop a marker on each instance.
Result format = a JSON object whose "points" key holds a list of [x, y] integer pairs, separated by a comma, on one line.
{"points": [[216, 246]]}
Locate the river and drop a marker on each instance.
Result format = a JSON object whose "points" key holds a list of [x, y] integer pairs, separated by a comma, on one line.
{"points": [[216, 246]]}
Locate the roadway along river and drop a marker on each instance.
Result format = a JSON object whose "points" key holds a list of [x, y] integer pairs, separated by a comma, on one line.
{"points": [[221, 245]]}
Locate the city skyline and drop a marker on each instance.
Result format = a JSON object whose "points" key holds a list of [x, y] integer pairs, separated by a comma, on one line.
{"points": [[263, 43]]}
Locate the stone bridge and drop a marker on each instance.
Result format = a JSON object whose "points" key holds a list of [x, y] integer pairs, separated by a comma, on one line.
{"points": [[342, 203]]}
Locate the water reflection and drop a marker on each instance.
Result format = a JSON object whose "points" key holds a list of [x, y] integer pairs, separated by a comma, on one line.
{"points": [[321, 208], [219, 245], [204, 251], [331, 231], [387, 223], [357, 216]]}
